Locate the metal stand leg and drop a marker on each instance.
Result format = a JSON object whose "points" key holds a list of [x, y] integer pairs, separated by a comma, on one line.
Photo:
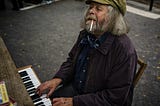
{"points": [[15, 4], [20, 3], [151, 5]]}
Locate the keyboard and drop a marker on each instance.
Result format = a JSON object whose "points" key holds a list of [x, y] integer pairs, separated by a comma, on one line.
{"points": [[31, 82]]}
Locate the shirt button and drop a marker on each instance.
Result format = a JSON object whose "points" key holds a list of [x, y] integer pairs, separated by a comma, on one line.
{"points": [[87, 58], [80, 81], [84, 71]]}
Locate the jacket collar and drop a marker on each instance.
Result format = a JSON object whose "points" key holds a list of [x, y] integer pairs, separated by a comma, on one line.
{"points": [[105, 46]]}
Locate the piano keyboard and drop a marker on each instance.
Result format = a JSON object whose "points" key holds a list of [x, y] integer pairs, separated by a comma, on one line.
{"points": [[31, 82]]}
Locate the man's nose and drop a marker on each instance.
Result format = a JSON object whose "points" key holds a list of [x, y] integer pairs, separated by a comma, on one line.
{"points": [[92, 11]]}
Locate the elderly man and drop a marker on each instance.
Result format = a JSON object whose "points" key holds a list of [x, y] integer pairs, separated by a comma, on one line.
{"points": [[101, 65]]}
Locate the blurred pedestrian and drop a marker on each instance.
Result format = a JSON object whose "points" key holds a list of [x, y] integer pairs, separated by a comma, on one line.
{"points": [[101, 65], [17, 4]]}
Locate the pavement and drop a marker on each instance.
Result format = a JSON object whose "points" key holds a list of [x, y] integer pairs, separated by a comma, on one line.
{"points": [[43, 36]]}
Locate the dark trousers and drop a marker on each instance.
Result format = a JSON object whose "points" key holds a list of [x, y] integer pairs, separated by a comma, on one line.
{"points": [[17, 4], [64, 91]]}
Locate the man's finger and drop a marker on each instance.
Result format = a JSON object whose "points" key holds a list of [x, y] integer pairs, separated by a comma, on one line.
{"points": [[57, 100], [40, 89], [50, 92]]}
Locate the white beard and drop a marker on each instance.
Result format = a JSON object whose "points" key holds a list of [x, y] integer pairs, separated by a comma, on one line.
{"points": [[96, 28]]}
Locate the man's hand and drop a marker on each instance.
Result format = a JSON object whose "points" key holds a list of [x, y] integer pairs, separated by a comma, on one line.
{"points": [[62, 102], [48, 85]]}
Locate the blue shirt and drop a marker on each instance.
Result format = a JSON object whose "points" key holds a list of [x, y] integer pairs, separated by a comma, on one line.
{"points": [[87, 43]]}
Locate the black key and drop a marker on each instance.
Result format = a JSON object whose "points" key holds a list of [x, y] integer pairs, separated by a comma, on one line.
{"points": [[25, 79], [23, 73], [33, 90], [36, 100], [35, 96], [29, 86], [28, 83], [39, 104]]}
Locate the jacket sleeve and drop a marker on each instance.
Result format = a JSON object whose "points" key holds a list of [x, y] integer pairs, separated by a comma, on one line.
{"points": [[66, 71], [118, 84]]}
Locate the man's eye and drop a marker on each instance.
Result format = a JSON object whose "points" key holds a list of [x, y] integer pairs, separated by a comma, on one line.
{"points": [[99, 9]]}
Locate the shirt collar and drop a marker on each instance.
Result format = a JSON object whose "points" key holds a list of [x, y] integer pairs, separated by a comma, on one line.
{"points": [[92, 40]]}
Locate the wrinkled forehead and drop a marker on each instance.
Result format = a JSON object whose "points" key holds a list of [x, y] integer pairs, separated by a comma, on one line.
{"points": [[98, 6]]}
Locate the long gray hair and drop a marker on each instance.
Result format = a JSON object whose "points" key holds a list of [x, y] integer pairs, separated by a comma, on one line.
{"points": [[117, 24]]}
